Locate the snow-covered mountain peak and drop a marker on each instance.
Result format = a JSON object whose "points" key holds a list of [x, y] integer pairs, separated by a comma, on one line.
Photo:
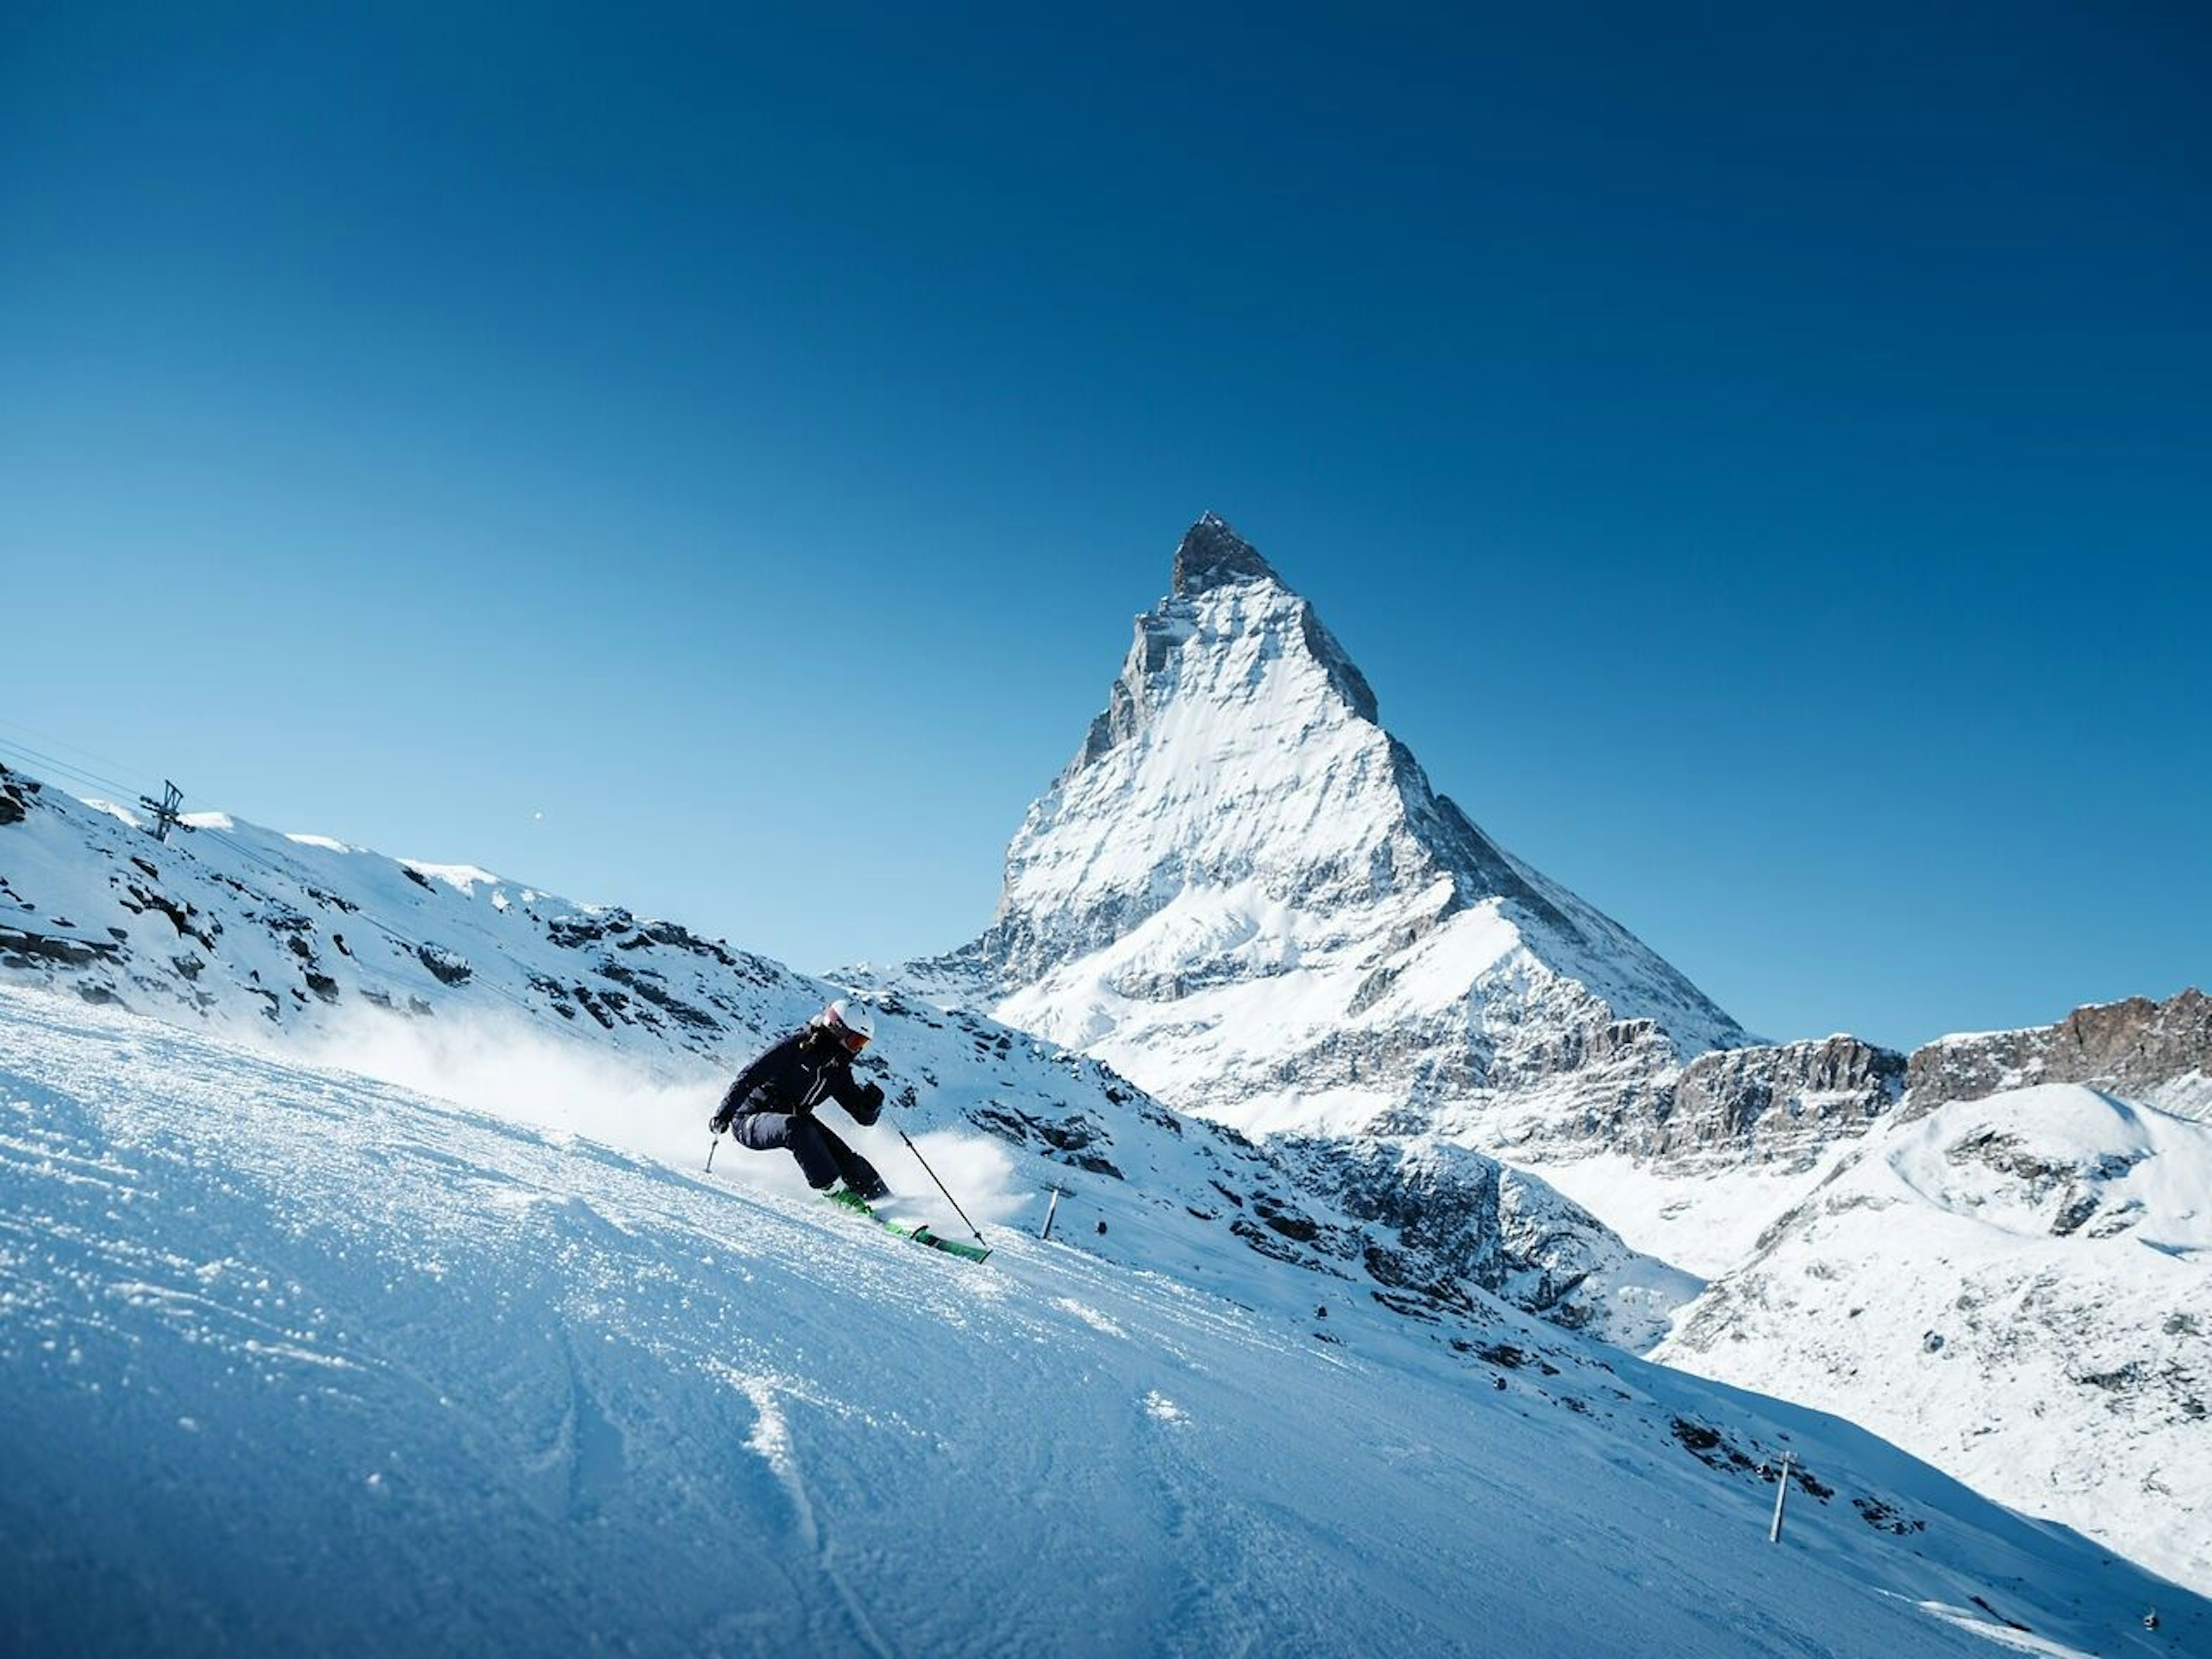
{"points": [[1245, 892], [1230, 633]]}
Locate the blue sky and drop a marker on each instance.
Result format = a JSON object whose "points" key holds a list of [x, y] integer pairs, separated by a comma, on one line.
{"points": [[707, 458]]}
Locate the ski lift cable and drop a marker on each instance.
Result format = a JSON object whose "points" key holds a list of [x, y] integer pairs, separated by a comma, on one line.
{"points": [[49, 741], [34, 760]]}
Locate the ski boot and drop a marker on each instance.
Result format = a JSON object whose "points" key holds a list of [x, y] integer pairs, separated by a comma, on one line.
{"points": [[846, 1198]]}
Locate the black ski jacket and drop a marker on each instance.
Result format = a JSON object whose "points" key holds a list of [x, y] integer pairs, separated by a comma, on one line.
{"points": [[798, 1074]]}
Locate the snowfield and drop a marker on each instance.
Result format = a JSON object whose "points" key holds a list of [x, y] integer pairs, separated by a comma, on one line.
{"points": [[2023, 1281], [1705, 1223], [295, 1361]]}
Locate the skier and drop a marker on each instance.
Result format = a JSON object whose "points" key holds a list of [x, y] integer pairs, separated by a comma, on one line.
{"points": [[772, 1104]]}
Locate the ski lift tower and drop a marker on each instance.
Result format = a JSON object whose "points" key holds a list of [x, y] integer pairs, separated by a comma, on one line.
{"points": [[166, 811]]}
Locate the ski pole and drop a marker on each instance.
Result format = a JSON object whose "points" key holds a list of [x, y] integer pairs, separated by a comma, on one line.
{"points": [[949, 1199], [711, 1144]]}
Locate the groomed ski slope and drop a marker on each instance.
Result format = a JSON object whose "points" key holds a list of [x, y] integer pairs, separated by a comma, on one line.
{"points": [[293, 1361]]}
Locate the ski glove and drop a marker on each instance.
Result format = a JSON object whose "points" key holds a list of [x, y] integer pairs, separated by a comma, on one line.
{"points": [[867, 1105]]}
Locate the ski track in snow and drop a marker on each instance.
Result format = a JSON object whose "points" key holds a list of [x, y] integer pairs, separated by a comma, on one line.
{"points": [[298, 1362]]}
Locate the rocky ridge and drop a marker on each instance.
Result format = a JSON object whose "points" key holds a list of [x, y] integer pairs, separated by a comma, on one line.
{"points": [[2157, 1051], [1791, 1101]]}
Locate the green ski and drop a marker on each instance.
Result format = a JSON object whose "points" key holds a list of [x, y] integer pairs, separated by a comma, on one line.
{"points": [[923, 1235], [846, 1198]]}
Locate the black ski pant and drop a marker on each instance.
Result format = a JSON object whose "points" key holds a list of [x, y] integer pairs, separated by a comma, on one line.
{"points": [[822, 1156]]}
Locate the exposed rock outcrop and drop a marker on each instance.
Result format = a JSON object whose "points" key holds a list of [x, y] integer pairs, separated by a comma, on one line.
{"points": [[1786, 1102], [1456, 1219], [2158, 1052]]}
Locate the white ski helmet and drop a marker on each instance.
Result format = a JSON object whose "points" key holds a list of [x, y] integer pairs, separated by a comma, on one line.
{"points": [[852, 1021]]}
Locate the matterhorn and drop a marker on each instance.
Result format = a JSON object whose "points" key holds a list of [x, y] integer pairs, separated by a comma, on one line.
{"points": [[1243, 894]]}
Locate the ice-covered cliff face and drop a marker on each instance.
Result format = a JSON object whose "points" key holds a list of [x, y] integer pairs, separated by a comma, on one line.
{"points": [[1244, 894]]}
